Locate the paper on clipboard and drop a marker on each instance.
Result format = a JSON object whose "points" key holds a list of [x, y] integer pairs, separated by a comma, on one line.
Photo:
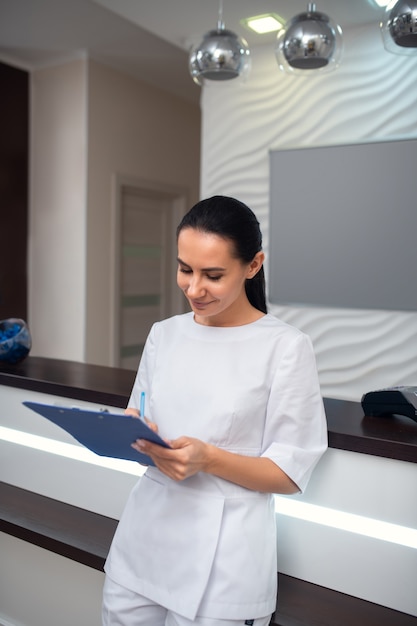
{"points": [[106, 434]]}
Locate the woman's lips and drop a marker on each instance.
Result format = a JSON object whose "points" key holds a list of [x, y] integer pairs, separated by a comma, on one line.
{"points": [[199, 305]]}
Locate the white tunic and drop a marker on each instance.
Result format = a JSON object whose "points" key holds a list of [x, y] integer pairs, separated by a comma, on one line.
{"points": [[205, 546]]}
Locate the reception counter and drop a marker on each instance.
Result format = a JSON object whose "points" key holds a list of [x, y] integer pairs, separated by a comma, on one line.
{"points": [[390, 437], [326, 571]]}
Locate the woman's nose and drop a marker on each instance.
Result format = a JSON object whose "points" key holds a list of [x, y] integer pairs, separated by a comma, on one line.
{"points": [[195, 287]]}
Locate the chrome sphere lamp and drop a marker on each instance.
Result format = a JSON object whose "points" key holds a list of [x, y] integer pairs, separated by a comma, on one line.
{"points": [[220, 56], [399, 27], [310, 41]]}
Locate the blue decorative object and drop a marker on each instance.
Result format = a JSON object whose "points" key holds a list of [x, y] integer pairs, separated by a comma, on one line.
{"points": [[15, 340]]}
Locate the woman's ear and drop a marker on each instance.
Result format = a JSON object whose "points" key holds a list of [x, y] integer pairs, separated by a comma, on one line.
{"points": [[256, 264]]}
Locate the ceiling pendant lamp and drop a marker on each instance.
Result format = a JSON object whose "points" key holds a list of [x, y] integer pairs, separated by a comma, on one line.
{"points": [[399, 27], [221, 55], [310, 41]]}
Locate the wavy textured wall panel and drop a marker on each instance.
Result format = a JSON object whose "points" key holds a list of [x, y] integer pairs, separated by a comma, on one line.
{"points": [[372, 96]]}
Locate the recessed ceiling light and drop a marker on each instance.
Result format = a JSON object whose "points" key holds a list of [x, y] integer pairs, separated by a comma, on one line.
{"points": [[267, 23]]}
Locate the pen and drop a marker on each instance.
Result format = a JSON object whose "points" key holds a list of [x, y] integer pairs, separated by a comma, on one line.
{"points": [[142, 404]]}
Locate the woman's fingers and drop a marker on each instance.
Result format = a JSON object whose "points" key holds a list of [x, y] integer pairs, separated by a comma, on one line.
{"points": [[132, 412]]}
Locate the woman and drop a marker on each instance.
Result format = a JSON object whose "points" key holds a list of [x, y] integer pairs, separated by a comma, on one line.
{"points": [[235, 392]]}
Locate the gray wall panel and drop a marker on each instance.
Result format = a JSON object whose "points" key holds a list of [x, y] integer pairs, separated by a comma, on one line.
{"points": [[343, 226]]}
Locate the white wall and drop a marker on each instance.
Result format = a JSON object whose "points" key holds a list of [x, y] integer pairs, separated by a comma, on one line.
{"points": [[40, 588], [372, 96], [57, 216]]}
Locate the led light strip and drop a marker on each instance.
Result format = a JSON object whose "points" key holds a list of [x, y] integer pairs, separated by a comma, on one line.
{"points": [[69, 450], [291, 507], [350, 522]]}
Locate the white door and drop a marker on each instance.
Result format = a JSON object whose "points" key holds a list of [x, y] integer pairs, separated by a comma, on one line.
{"points": [[147, 290]]}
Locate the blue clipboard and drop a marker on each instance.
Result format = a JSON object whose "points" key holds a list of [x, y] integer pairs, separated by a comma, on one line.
{"points": [[104, 433]]}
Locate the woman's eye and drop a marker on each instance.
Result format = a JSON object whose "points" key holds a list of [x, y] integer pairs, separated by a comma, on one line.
{"points": [[184, 271], [214, 277]]}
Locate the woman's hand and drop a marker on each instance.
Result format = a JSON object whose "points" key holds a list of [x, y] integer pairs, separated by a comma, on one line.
{"points": [[183, 459], [187, 456], [136, 413]]}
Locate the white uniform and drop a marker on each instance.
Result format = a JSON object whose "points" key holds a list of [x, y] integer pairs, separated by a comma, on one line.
{"points": [[206, 546]]}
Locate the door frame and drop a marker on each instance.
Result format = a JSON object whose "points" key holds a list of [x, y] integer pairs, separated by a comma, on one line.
{"points": [[179, 205]]}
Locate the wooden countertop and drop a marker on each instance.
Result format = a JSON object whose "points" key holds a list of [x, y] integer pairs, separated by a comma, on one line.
{"points": [[80, 381], [348, 428]]}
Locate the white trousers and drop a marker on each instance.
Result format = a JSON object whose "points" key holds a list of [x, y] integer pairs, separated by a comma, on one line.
{"points": [[122, 607]]}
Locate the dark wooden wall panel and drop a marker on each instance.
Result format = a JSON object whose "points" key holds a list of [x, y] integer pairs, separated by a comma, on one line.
{"points": [[14, 147]]}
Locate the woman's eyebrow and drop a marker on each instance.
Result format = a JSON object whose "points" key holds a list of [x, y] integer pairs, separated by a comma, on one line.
{"points": [[181, 262], [203, 269]]}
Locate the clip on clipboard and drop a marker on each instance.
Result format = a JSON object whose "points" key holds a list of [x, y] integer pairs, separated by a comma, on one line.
{"points": [[106, 434]]}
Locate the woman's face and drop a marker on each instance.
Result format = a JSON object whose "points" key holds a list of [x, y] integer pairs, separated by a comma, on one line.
{"points": [[212, 279]]}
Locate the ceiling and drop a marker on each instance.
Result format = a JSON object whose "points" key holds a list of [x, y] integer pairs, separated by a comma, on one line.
{"points": [[149, 39]]}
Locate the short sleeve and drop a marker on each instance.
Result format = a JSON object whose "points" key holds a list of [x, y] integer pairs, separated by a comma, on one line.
{"points": [[295, 435], [143, 380]]}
